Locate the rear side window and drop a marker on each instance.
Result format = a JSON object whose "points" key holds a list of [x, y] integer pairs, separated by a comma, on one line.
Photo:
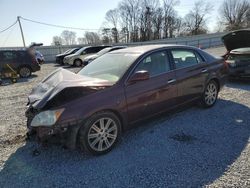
{"points": [[9, 56], [92, 50], [185, 58]]}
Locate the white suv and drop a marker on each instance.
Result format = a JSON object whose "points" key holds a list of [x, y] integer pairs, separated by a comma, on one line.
{"points": [[77, 58]]}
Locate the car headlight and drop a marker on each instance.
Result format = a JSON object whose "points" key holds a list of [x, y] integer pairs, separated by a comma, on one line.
{"points": [[46, 118]]}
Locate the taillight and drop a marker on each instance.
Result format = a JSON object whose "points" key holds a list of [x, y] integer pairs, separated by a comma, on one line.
{"points": [[230, 63], [34, 60]]}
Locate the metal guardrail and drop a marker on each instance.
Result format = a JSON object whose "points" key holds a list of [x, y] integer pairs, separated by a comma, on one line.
{"points": [[201, 41]]}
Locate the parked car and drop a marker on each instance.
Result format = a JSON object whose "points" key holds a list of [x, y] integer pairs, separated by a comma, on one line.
{"points": [[39, 57], [60, 57], [90, 58], [23, 62], [77, 58], [237, 44], [118, 89]]}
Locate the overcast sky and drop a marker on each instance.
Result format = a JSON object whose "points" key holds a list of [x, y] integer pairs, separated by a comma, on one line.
{"points": [[73, 13]]}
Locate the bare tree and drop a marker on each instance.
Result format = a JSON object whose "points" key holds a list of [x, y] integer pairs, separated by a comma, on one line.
{"points": [[57, 41], [130, 9], [169, 17], [92, 38], [157, 22], [147, 10], [235, 14], [69, 37], [112, 17], [81, 40], [106, 35], [195, 20]]}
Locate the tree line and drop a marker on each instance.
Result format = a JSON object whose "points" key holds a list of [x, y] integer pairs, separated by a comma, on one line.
{"points": [[144, 20]]}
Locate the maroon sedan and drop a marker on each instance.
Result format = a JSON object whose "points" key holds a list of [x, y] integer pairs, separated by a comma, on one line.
{"points": [[94, 106]]}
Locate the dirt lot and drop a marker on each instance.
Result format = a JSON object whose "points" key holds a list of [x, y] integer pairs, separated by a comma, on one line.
{"points": [[193, 148]]}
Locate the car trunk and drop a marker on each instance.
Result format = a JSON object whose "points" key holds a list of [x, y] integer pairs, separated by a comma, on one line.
{"points": [[236, 39]]}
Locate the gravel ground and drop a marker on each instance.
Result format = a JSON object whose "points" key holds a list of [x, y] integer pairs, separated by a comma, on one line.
{"points": [[192, 148]]}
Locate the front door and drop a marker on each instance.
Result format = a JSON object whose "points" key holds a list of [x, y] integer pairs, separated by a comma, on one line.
{"points": [[157, 94]]}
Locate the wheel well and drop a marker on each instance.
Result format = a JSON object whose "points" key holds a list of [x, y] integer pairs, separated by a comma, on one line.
{"points": [[77, 60], [217, 82], [117, 114]]}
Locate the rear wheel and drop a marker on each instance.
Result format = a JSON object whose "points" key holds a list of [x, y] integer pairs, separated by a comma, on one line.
{"points": [[210, 94], [24, 72], [78, 63], [100, 133]]}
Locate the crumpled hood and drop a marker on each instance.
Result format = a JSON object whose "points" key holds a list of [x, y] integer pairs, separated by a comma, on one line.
{"points": [[59, 80], [237, 39]]}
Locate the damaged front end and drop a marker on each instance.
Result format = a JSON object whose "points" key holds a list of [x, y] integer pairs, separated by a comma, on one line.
{"points": [[47, 116]]}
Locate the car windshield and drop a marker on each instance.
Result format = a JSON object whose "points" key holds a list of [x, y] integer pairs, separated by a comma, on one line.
{"points": [[109, 67], [80, 50], [67, 51], [104, 51]]}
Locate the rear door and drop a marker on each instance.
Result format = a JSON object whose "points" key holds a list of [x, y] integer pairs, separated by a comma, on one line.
{"points": [[158, 93], [191, 73]]}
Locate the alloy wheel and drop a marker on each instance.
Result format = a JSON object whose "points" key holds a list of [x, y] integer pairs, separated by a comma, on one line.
{"points": [[25, 72], [102, 134], [211, 94]]}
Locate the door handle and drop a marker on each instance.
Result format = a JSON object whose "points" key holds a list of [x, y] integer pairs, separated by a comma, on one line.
{"points": [[204, 70], [171, 81]]}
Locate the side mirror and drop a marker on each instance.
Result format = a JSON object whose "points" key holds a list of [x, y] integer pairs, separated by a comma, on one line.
{"points": [[139, 76]]}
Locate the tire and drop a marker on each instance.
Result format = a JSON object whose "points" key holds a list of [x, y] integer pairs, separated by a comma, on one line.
{"points": [[24, 72], [210, 94], [97, 138], [78, 63]]}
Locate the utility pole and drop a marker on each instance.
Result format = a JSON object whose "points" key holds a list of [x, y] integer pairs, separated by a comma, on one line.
{"points": [[21, 29]]}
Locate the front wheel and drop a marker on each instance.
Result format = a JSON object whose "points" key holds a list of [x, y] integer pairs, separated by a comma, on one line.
{"points": [[210, 94], [100, 133]]}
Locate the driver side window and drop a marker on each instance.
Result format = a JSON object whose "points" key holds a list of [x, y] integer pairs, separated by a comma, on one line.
{"points": [[157, 63]]}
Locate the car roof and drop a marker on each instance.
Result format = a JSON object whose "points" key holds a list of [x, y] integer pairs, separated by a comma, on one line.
{"points": [[147, 48]]}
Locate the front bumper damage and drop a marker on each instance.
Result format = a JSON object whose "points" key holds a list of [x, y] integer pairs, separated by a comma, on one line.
{"points": [[64, 133]]}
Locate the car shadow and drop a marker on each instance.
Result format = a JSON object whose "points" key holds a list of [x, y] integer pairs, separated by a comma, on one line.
{"points": [[240, 83], [63, 66], [27, 79], [191, 148], [7, 81]]}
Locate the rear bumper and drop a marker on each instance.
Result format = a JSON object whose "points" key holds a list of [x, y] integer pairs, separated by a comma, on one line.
{"points": [[240, 71]]}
